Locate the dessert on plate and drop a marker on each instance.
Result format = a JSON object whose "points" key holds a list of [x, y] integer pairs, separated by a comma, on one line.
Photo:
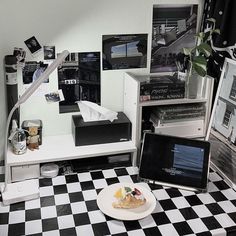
{"points": [[128, 198]]}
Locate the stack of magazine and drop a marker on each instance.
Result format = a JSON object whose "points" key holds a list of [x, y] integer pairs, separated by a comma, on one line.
{"points": [[177, 113]]}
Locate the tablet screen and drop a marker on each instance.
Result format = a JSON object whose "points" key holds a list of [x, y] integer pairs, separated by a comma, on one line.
{"points": [[175, 161]]}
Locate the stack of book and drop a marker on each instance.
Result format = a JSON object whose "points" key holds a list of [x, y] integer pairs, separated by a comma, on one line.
{"points": [[162, 87]]}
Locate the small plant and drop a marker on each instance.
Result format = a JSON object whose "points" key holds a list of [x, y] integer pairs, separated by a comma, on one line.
{"points": [[197, 56]]}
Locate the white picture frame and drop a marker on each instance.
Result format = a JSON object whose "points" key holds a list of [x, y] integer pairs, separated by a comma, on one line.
{"points": [[221, 131]]}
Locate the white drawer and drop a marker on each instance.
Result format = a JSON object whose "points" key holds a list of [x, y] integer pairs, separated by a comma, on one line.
{"points": [[24, 172], [193, 128]]}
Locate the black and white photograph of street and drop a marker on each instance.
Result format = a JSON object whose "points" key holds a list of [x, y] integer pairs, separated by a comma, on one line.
{"points": [[174, 27]]}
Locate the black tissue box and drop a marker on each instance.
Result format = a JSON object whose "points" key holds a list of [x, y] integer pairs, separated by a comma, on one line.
{"points": [[102, 131]]}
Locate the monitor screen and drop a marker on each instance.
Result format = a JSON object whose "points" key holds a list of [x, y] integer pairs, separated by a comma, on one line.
{"points": [[175, 161]]}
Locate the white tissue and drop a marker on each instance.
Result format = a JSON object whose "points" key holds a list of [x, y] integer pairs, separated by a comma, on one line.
{"points": [[92, 112]]}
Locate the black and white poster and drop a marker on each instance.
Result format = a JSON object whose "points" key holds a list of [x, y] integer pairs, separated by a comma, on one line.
{"points": [[79, 79], [124, 51], [173, 27]]}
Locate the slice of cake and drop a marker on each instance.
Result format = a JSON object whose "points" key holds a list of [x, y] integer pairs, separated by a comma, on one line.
{"points": [[128, 198]]}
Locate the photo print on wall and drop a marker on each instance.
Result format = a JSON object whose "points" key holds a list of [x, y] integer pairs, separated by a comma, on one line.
{"points": [[124, 51], [56, 96], [33, 45], [49, 52], [173, 28], [20, 54], [79, 79], [32, 70]]}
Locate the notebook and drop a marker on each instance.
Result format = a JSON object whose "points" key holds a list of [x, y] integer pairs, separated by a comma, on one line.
{"points": [[175, 161]]}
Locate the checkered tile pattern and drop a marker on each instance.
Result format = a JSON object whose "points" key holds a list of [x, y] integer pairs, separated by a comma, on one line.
{"points": [[67, 206]]}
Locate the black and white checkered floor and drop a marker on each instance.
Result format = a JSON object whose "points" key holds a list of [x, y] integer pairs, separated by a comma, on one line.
{"points": [[67, 206]]}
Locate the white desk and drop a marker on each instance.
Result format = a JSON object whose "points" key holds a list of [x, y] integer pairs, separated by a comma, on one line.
{"points": [[62, 147]]}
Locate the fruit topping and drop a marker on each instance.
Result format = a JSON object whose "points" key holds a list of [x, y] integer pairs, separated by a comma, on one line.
{"points": [[128, 189], [137, 191]]}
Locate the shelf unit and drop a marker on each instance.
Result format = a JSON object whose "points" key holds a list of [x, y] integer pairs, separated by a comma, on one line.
{"points": [[133, 108], [62, 147]]}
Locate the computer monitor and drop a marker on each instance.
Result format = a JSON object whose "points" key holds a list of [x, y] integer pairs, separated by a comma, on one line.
{"points": [[175, 161]]}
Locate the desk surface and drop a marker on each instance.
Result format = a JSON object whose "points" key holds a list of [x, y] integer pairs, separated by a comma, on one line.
{"points": [[67, 206], [62, 147]]}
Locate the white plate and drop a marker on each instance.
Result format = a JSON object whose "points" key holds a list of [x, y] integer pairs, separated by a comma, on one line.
{"points": [[106, 198]]}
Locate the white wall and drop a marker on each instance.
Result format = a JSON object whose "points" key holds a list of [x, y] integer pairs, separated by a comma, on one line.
{"points": [[78, 26]]}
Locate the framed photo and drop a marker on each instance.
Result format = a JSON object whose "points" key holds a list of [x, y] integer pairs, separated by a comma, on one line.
{"points": [[32, 71], [79, 78], [124, 51], [174, 27], [33, 45], [222, 127]]}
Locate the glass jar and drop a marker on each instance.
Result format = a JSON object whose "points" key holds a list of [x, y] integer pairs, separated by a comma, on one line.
{"points": [[19, 142]]}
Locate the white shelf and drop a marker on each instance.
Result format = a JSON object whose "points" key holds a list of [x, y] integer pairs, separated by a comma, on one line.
{"points": [[171, 102], [134, 108], [62, 147]]}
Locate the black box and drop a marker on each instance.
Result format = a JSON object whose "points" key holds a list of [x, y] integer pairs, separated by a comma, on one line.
{"points": [[102, 131]]}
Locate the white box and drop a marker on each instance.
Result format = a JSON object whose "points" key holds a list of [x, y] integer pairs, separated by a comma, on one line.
{"points": [[19, 173], [193, 128]]}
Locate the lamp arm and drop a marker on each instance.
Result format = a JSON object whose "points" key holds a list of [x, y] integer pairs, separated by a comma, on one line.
{"points": [[6, 144], [23, 98]]}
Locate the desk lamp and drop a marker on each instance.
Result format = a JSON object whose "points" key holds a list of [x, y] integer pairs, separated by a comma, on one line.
{"points": [[28, 189]]}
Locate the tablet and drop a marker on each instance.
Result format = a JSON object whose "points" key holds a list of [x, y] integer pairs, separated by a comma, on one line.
{"points": [[175, 161]]}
